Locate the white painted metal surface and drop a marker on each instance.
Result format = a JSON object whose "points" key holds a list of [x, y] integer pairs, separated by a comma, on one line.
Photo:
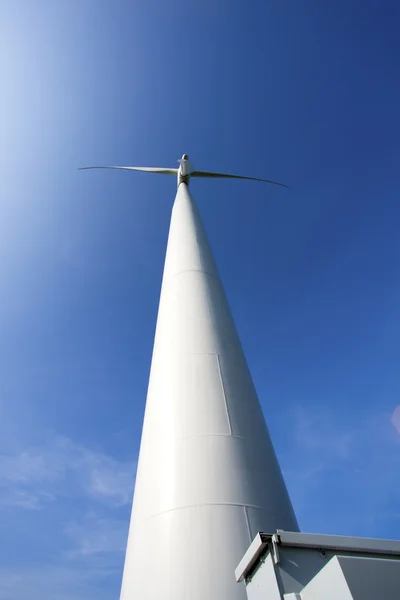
{"points": [[320, 567], [208, 479], [355, 578], [337, 542]]}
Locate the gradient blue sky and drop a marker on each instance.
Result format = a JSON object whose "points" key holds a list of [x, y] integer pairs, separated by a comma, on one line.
{"points": [[303, 92]]}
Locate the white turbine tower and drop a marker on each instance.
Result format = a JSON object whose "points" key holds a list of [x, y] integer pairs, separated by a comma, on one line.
{"points": [[208, 478]]}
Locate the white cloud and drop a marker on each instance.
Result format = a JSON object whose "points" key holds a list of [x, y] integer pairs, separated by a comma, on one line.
{"points": [[27, 467], [97, 536], [345, 471], [29, 500], [317, 432], [75, 548], [40, 474], [47, 582]]}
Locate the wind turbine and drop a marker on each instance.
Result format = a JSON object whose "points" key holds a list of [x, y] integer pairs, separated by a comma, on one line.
{"points": [[208, 478], [185, 171]]}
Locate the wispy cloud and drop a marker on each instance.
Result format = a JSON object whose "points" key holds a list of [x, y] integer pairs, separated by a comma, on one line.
{"points": [[344, 472], [317, 432], [74, 549], [48, 581], [96, 536], [396, 418], [58, 467], [24, 498]]}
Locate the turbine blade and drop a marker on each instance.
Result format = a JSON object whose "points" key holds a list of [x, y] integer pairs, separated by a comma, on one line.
{"points": [[158, 170], [228, 176]]}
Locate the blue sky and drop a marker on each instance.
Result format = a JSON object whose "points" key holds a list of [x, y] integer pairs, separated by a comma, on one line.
{"points": [[306, 93]]}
